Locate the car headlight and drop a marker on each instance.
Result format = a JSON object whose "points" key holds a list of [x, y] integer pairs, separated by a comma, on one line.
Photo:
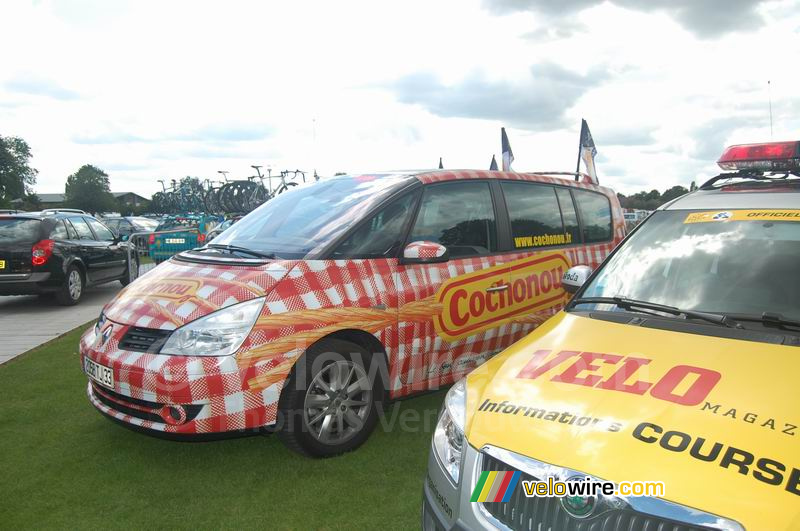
{"points": [[448, 439], [218, 334]]}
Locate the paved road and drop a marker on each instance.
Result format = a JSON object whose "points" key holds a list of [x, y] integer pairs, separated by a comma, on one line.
{"points": [[28, 321]]}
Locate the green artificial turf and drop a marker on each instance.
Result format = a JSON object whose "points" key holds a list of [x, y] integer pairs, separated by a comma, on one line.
{"points": [[63, 465]]}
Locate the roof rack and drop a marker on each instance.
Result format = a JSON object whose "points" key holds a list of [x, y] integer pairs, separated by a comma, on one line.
{"points": [[575, 174], [748, 175]]}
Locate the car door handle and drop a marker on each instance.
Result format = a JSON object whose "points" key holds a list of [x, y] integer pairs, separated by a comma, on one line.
{"points": [[498, 288]]}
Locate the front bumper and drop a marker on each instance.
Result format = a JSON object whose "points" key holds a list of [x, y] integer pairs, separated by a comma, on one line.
{"points": [[26, 284], [176, 395]]}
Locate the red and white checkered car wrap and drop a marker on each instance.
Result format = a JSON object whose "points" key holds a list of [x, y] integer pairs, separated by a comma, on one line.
{"points": [[423, 249], [305, 300]]}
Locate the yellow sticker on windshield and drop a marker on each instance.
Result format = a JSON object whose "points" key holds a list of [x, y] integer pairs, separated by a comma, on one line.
{"points": [[743, 215]]}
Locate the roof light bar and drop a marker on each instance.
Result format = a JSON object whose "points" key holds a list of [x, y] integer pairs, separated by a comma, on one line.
{"points": [[775, 156]]}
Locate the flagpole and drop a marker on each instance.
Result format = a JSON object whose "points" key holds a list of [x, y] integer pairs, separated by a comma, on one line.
{"points": [[580, 147]]}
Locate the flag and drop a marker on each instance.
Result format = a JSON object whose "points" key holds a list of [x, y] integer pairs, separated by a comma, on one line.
{"points": [[587, 152], [441, 166], [508, 155], [493, 165]]}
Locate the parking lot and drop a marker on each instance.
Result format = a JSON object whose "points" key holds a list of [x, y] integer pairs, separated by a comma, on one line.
{"points": [[42, 319]]}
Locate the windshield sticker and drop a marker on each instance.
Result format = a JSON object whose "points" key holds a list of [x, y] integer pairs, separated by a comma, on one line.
{"points": [[743, 215], [542, 241]]}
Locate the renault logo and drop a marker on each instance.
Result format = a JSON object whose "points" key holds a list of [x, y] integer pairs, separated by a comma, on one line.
{"points": [[579, 506], [106, 335]]}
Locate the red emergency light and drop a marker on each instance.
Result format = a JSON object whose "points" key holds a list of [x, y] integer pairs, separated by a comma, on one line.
{"points": [[775, 156]]}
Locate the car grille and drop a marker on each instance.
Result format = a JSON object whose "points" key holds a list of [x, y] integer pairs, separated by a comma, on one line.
{"points": [[144, 339], [140, 409], [546, 514]]}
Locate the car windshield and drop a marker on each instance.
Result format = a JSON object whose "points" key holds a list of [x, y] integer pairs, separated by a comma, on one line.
{"points": [[18, 230], [174, 224], [733, 262], [144, 223], [304, 219]]}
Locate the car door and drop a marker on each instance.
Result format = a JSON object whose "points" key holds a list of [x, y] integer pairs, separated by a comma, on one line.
{"points": [[90, 250], [115, 255], [463, 296], [544, 227]]}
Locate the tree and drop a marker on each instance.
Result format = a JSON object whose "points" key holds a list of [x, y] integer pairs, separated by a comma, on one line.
{"points": [[16, 175], [673, 193], [88, 189], [30, 203]]}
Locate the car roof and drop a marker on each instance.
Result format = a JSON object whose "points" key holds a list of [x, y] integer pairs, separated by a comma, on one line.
{"points": [[780, 194], [549, 177]]}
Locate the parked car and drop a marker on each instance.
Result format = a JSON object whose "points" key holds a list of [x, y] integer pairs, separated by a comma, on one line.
{"points": [[331, 298], [676, 363], [222, 227], [60, 254], [126, 226], [183, 233]]}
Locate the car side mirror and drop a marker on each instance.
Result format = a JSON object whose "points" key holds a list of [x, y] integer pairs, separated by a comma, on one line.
{"points": [[424, 252], [124, 237], [575, 277]]}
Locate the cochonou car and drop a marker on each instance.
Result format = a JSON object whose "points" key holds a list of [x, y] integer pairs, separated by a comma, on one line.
{"points": [[675, 362], [309, 313], [60, 254]]}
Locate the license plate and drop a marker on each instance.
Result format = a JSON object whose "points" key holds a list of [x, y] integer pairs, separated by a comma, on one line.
{"points": [[175, 240], [2, 264], [99, 373]]}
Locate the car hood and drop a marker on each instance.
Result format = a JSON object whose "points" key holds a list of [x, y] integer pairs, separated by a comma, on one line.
{"points": [[177, 292], [632, 403]]}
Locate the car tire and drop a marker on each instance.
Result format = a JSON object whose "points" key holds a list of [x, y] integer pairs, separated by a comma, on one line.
{"points": [[71, 291], [332, 399], [131, 274]]}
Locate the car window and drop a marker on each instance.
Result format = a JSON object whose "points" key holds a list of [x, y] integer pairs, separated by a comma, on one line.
{"points": [[740, 266], [568, 214], [534, 214], [73, 235], [102, 232], [82, 228], [459, 216], [595, 211], [112, 224], [59, 232], [382, 234], [19, 230]]}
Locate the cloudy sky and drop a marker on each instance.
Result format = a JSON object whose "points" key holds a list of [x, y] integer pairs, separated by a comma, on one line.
{"points": [[160, 90]]}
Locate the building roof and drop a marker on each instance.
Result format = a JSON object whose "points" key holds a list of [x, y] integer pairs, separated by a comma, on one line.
{"points": [[120, 194], [51, 198], [59, 198]]}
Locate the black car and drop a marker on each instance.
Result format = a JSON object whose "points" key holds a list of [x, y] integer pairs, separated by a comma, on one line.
{"points": [[126, 226], [60, 254]]}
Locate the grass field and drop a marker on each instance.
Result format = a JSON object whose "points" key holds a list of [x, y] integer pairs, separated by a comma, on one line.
{"points": [[63, 465]]}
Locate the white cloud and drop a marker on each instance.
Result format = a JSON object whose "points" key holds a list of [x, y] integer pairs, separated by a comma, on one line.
{"points": [[151, 90]]}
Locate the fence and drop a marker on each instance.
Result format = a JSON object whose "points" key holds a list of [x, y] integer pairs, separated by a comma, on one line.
{"points": [[150, 249]]}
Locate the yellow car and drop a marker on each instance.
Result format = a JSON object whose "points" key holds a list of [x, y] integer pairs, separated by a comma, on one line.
{"points": [[664, 396]]}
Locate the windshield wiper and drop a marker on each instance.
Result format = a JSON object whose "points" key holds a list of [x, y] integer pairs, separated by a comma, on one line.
{"points": [[632, 304], [767, 318], [238, 249]]}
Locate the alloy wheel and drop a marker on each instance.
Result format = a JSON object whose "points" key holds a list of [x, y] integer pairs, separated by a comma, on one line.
{"points": [[337, 402], [75, 284]]}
